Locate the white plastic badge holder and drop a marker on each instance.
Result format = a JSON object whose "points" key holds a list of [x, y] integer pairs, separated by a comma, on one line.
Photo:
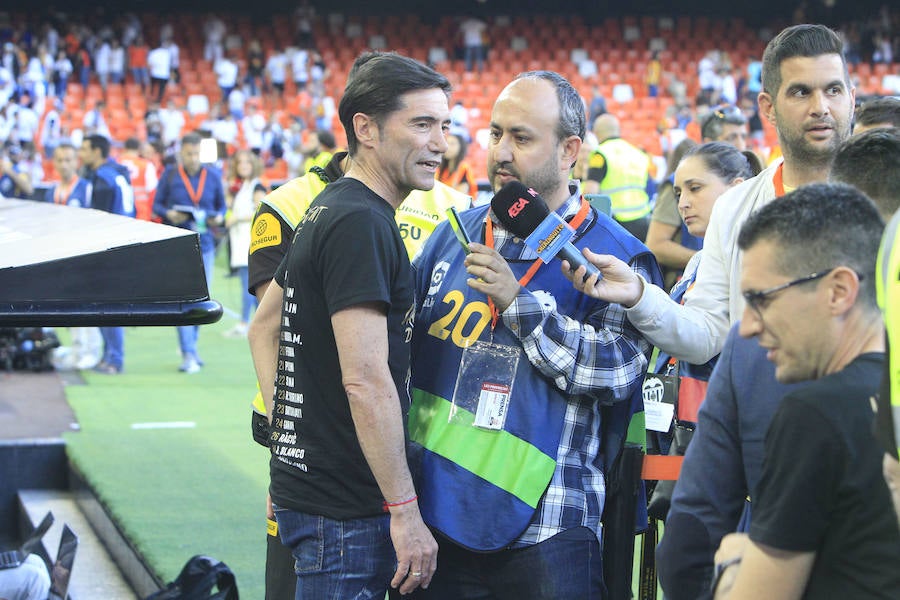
{"points": [[484, 385], [659, 393]]}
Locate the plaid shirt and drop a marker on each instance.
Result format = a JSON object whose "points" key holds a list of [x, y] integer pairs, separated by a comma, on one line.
{"points": [[597, 362]]}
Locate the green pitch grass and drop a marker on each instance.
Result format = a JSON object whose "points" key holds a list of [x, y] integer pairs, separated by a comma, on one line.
{"points": [[180, 491]]}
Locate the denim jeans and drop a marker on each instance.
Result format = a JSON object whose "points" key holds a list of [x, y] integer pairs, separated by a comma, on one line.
{"points": [[248, 300], [188, 334], [113, 346], [567, 566], [338, 560]]}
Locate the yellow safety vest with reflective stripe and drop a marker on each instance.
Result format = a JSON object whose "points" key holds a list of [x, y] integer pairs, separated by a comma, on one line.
{"points": [[627, 169], [417, 217], [888, 289]]}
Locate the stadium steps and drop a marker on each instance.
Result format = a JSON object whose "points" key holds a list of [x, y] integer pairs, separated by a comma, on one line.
{"points": [[96, 573]]}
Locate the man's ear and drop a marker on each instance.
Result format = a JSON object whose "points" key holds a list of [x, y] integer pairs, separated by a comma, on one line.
{"points": [[766, 107], [366, 129], [844, 287], [570, 147]]}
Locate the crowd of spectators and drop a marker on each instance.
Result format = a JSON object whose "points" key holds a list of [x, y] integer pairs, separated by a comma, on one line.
{"points": [[43, 56]]}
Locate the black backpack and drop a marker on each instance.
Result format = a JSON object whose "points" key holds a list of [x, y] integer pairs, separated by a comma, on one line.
{"points": [[198, 578]]}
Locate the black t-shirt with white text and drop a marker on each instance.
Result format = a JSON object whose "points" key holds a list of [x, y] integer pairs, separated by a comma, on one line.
{"points": [[346, 251]]}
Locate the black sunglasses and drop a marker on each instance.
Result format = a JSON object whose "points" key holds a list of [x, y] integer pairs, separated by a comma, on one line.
{"points": [[756, 300]]}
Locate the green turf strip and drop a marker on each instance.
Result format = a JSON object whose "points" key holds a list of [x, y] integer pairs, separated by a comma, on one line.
{"points": [[179, 492]]}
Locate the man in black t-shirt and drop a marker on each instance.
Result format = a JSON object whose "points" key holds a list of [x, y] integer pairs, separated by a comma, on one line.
{"points": [[823, 525], [332, 334]]}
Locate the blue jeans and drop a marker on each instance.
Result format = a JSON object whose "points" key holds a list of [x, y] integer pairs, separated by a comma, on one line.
{"points": [[188, 334], [567, 566], [141, 76], [338, 560], [248, 300], [113, 346]]}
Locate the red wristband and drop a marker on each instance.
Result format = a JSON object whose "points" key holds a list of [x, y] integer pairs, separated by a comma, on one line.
{"points": [[388, 505]]}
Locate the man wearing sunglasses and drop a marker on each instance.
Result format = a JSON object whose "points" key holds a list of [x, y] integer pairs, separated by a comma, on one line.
{"points": [[725, 123], [823, 524]]}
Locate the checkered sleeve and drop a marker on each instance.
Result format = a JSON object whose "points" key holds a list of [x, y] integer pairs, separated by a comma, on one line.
{"points": [[604, 357]]}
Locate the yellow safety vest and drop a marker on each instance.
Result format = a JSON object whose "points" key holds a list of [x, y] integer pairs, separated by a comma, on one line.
{"points": [[888, 288], [627, 169], [319, 160]]}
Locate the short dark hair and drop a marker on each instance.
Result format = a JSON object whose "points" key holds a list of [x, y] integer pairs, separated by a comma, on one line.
{"points": [[191, 139], [870, 162], [876, 111], [572, 120], [713, 123], [99, 142], [799, 40], [725, 161], [132, 143], [326, 138], [819, 227], [376, 84]]}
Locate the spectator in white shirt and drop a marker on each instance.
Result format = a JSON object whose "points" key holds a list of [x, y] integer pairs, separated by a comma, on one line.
{"points": [[27, 121], [300, 68], [276, 68], [236, 100], [172, 119], [214, 32], [51, 129], [226, 71], [94, 122], [174, 54], [159, 63], [253, 124], [62, 70], [101, 63], [116, 62]]}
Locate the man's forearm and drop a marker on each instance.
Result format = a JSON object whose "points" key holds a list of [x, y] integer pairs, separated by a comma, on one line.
{"points": [[362, 341], [263, 338], [376, 414]]}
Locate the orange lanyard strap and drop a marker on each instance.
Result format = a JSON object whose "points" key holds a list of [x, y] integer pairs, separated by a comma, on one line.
{"points": [[61, 195], [778, 181], [576, 222], [195, 195]]}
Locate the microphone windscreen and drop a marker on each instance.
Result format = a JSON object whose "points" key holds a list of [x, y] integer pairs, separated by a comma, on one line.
{"points": [[519, 208]]}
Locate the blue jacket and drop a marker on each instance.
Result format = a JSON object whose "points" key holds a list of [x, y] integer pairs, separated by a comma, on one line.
{"points": [[172, 193], [111, 189]]}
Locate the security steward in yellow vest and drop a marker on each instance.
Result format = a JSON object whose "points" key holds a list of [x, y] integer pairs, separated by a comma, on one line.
{"points": [[270, 239], [888, 288], [619, 170]]}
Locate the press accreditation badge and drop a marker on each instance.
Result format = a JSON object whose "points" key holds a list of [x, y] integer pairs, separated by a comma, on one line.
{"points": [[492, 406], [484, 385], [659, 393]]}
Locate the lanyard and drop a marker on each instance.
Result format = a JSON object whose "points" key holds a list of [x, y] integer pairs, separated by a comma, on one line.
{"points": [[523, 281], [195, 195], [61, 195], [778, 181]]}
